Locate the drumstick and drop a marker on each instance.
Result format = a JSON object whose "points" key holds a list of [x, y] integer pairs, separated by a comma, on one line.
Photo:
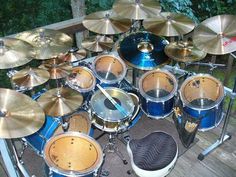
{"points": [[118, 107]]}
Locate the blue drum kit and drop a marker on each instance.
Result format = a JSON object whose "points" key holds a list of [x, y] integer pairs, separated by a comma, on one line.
{"points": [[95, 93]]}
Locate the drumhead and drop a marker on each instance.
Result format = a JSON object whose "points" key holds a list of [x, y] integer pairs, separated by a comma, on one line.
{"points": [[73, 153]]}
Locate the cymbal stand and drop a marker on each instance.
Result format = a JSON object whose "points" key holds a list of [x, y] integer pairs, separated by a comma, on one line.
{"points": [[211, 65]]}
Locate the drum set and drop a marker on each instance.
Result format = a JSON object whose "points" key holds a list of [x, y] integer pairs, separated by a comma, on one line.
{"points": [[58, 121]]}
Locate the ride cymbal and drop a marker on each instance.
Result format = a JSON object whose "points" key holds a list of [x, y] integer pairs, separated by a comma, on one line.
{"points": [[216, 35], [60, 101], [169, 24], [184, 52], [73, 56], [106, 22], [14, 53], [47, 43], [137, 9], [19, 115]]}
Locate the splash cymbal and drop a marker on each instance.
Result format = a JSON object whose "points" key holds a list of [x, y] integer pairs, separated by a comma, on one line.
{"points": [[106, 22], [137, 9], [47, 43], [73, 56], [184, 52], [169, 24], [98, 43], [60, 101], [14, 53], [19, 115], [216, 35]]}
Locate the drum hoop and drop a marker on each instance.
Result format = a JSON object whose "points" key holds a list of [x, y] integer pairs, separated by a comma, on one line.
{"points": [[162, 99], [187, 104], [112, 81]]}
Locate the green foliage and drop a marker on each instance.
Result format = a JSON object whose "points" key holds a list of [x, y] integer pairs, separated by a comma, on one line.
{"points": [[98, 5]]}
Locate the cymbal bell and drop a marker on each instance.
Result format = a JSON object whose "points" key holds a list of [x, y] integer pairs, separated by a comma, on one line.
{"points": [[137, 9], [106, 22], [14, 53], [73, 56], [19, 115], [169, 24], [216, 35], [98, 43], [184, 52], [60, 101], [47, 43]]}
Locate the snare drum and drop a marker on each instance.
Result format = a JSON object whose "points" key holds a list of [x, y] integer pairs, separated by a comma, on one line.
{"points": [[157, 89], [73, 154], [202, 97], [109, 70]]}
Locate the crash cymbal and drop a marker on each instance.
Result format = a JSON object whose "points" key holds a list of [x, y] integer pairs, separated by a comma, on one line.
{"points": [[19, 115], [137, 9], [47, 43], [144, 51], [30, 77], [73, 56], [98, 43], [169, 24], [60, 101], [216, 35], [14, 53], [184, 52], [57, 68], [106, 22]]}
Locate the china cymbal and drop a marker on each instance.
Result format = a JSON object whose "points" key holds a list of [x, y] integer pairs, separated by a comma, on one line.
{"points": [[216, 35], [30, 77], [60, 101], [106, 22], [137, 9], [14, 53], [19, 115], [184, 52], [57, 68], [47, 43], [169, 24], [98, 43], [73, 56]]}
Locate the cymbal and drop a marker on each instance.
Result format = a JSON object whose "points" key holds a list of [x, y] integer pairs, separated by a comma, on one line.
{"points": [[137, 9], [57, 68], [47, 43], [216, 35], [14, 53], [19, 115], [73, 56], [98, 43], [106, 22], [169, 24], [31, 77], [184, 52], [60, 101]]}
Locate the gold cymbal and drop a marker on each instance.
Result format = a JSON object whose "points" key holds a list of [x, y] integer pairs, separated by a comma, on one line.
{"points": [[47, 43], [137, 9], [72, 56], [216, 35], [169, 24], [60, 101], [14, 53], [30, 77], [106, 22], [98, 43], [184, 52], [19, 115]]}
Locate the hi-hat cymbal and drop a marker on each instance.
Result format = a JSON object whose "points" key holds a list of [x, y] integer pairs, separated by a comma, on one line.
{"points": [[184, 52], [19, 115], [169, 24], [47, 43], [216, 35], [57, 68], [60, 101], [98, 43], [73, 56], [106, 22], [137, 9], [30, 77], [14, 53]]}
